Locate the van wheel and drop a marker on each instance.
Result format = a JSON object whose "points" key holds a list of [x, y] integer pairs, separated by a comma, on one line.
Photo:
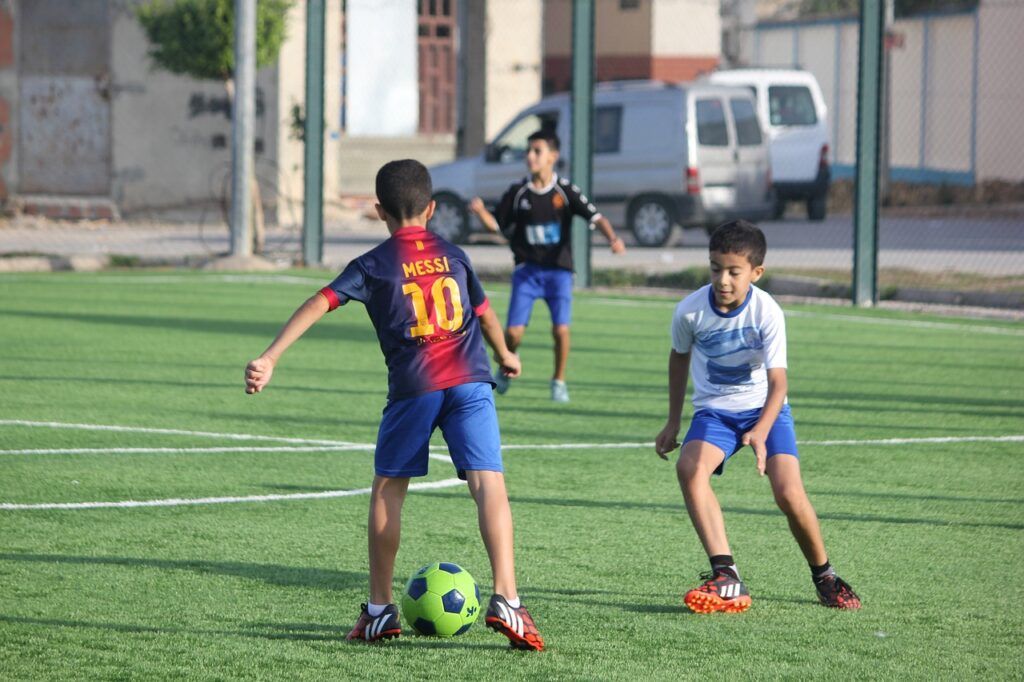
{"points": [[778, 209], [450, 221], [817, 207], [651, 220]]}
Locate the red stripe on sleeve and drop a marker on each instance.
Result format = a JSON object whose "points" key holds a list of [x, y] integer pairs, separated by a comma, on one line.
{"points": [[482, 308], [332, 298]]}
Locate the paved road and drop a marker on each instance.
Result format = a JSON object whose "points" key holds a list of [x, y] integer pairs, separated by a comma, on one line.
{"points": [[989, 246]]}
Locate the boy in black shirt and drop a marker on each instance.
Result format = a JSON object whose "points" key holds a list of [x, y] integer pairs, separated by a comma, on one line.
{"points": [[535, 215]]}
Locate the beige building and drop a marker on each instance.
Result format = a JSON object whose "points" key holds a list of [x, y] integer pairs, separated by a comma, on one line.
{"points": [[669, 40], [93, 128]]}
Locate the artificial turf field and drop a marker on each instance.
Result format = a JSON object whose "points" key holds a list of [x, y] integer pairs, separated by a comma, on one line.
{"points": [[930, 533]]}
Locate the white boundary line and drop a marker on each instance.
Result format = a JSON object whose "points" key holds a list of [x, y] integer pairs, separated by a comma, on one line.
{"points": [[343, 446], [179, 502], [171, 432]]}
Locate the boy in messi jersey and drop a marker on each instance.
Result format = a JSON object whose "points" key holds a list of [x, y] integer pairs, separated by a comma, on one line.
{"points": [[730, 337], [535, 215], [432, 317]]}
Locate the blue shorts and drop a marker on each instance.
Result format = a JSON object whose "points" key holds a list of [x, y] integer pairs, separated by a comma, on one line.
{"points": [[468, 422], [725, 430], [530, 282]]}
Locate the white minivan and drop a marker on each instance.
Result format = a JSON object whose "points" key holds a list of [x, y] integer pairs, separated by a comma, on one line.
{"points": [[793, 109], [692, 154]]}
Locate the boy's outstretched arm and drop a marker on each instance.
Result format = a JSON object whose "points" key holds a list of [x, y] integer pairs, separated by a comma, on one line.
{"points": [[476, 205], [509, 361], [614, 241], [678, 375], [259, 371], [778, 385]]}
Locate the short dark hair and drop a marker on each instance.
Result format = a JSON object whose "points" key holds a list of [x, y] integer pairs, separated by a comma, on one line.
{"points": [[548, 136], [404, 188], [740, 237]]}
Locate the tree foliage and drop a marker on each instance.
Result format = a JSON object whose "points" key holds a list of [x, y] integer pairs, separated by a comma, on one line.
{"points": [[197, 37]]}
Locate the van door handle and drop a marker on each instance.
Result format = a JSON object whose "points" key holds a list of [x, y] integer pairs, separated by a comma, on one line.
{"points": [[736, 155]]}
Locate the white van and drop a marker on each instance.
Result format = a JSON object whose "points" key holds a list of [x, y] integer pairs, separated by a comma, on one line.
{"points": [[691, 154], [790, 103]]}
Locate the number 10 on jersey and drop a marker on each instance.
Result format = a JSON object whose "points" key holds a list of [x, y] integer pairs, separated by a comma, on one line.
{"points": [[423, 326]]}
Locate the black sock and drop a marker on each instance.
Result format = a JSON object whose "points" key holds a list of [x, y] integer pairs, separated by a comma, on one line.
{"points": [[724, 563], [821, 572]]}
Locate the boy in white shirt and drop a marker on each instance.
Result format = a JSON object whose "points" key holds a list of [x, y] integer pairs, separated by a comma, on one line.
{"points": [[731, 337]]}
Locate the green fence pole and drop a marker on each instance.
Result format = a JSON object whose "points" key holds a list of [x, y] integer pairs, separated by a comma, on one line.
{"points": [[582, 125], [313, 135], [869, 116]]}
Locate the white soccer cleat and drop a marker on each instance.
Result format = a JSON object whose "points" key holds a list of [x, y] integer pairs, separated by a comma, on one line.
{"points": [[559, 391]]}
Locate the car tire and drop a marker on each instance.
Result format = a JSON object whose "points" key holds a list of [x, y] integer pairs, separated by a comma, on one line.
{"points": [[778, 209], [651, 221], [451, 220], [817, 207]]}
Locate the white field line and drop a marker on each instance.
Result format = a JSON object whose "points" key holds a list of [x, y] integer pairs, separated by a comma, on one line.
{"points": [[171, 432], [180, 502], [188, 451]]}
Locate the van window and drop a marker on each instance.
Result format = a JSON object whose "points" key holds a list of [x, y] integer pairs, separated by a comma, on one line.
{"points": [[711, 128], [748, 130], [607, 130], [511, 145], [791, 105]]}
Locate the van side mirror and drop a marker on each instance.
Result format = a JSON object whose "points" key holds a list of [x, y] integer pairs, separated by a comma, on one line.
{"points": [[492, 153]]}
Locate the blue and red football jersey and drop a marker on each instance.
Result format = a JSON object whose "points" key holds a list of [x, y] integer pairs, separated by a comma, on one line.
{"points": [[423, 299]]}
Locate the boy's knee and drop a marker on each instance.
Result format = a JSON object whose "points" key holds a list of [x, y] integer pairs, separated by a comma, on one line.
{"points": [[790, 499], [560, 331], [688, 469], [513, 335]]}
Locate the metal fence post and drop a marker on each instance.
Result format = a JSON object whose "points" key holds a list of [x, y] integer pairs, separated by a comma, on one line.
{"points": [[582, 123], [313, 136], [243, 127], [869, 99]]}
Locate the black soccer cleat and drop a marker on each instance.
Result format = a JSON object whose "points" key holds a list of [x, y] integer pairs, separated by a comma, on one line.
{"points": [[721, 591], [516, 624], [373, 629], [836, 593]]}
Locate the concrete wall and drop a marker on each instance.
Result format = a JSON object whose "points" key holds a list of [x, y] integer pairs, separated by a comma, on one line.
{"points": [[956, 89], [513, 49], [171, 135], [381, 68], [1000, 91]]}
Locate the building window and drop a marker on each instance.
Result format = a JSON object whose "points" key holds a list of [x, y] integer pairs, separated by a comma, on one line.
{"points": [[629, 4]]}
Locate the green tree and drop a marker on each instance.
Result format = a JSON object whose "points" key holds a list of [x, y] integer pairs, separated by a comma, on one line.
{"points": [[902, 7], [197, 38]]}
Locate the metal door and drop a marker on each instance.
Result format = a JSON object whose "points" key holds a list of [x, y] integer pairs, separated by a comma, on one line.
{"points": [[64, 98], [436, 42]]}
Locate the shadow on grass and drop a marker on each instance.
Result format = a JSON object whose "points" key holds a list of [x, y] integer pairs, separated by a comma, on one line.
{"points": [[909, 496], [268, 329], [827, 516], [303, 632], [273, 574]]}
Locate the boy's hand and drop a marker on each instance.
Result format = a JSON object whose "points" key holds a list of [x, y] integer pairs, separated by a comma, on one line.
{"points": [[667, 440], [510, 364], [618, 246], [257, 374], [756, 440], [476, 205]]}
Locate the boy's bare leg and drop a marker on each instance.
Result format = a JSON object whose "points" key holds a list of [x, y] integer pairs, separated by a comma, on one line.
{"points": [[495, 515], [386, 498], [560, 332], [696, 463], [788, 488], [514, 336]]}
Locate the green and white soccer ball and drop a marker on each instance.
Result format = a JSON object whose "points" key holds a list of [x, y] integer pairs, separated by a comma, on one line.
{"points": [[441, 600]]}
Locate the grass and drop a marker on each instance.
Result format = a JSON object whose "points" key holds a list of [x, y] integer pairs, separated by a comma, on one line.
{"points": [[931, 534]]}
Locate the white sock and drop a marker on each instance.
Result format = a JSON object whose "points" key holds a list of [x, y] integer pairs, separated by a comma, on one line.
{"points": [[375, 609], [514, 603]]}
